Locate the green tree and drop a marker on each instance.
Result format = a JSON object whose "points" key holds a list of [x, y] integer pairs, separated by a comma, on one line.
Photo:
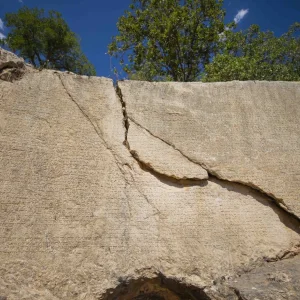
{"points": [[257, 55], [168, 39], [46, 41]]}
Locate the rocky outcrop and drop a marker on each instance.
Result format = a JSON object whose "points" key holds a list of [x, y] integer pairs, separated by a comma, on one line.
{"points": [[102, 199], [12, 67]]}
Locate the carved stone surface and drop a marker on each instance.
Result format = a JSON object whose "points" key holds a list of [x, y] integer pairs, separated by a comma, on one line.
{"points": [[93, 209], [245, 132]]}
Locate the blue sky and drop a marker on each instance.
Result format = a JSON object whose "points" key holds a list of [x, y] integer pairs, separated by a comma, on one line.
{"points": [[95, 20]]}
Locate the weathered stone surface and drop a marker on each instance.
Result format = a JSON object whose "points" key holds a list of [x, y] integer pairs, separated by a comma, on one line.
{"points": [[12, 67], [84, 217], [278, 280], [160, 157], [246, 132], [10, 60], [61, 188]]}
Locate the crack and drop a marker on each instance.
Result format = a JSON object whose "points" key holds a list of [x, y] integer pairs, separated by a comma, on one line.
{"points": [[173, 146], [146, 166], [128, 200], [167, 179], [237, 293], [98, 132], [212, 174], [83, 112], [126, 144], [96, 128], [125, 116], [292, 222], [157, 211], [286, 254]]}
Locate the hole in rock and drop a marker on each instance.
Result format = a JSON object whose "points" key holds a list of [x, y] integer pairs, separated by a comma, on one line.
{"points": [[159, 288]]}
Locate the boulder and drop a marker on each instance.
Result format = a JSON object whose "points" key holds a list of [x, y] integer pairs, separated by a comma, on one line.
{"points": [[12, 67]]}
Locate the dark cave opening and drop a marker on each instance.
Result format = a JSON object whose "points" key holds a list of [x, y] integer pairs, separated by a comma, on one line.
{"points": [[158, 288]]}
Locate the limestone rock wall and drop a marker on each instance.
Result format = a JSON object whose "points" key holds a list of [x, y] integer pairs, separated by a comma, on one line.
{"points": [[246, 132], [147, 191]]}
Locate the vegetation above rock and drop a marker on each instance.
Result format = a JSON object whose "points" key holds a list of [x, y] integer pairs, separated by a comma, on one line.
{"points": [[175, 40], [46, 41]]}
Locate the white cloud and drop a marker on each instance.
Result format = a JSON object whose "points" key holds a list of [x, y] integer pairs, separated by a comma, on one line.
{"points": [[21, 1], [2, 36], [240, 15], [1, 24]]}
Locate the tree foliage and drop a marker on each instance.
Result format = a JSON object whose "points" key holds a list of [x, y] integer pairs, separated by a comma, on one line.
{"points": [[187, 40], [168, 39], [46, 41], [257, 55]]}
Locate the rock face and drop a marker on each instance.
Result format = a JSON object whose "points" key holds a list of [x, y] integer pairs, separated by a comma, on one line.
{"points": [[12, 67], [246, 132], [106, 195], [278, 280]]}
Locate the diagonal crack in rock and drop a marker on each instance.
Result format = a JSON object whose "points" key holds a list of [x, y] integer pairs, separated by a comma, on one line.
{"points": [[95, 127], [98, 132]]}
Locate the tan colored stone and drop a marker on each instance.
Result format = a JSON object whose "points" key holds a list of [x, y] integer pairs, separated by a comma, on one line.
{"points": [[81, 217], [160, 157], [10, 60], [246, 132]]}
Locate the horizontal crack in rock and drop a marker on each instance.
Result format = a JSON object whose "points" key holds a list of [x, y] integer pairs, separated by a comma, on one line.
{"points": [[212, 174], [167, 177]]}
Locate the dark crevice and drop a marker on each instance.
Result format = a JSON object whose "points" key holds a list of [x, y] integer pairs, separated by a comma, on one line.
{"points": [[167, 179], [212, 174], [238, 294], [11, 71], [125, 116], [284, 214], [287, 219], [157, 288]]}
